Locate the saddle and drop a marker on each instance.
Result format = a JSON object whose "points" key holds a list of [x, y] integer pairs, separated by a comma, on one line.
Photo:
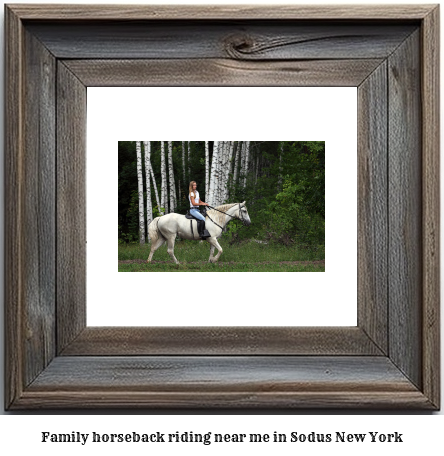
{"points": [[203, 233], [189, 216], [202, 210]]}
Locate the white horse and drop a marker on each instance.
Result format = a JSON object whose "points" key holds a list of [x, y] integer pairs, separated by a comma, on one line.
{"points": [[165, 228]]}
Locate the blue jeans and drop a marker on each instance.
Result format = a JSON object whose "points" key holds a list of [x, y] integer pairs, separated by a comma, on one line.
{"points": [[197, 214]]}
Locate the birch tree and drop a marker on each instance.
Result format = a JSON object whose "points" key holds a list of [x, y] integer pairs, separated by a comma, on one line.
{"points": [[171, 177], [189, 159], [242, 164], [183, 160], [236, 161], [247, 157], [164, 187], [159, 204], [227, 170], [229, 166], [149, 208], [222, 164], [140, 189], [207, 175], [216, 170], [235, 147], [213, 173]]}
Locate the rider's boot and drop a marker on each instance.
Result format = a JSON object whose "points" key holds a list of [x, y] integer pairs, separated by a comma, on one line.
{"points": [[203, 233]]}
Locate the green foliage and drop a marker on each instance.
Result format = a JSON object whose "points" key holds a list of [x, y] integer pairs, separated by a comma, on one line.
{"points": [[287, 209], [157, 211], [130, 231], [289, 218]]}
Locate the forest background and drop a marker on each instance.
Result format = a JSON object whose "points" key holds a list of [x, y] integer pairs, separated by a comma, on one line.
{"points": [[282, 182]]}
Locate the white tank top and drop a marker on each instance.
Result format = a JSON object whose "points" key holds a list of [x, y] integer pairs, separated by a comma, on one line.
{"points": [[196, 198]]}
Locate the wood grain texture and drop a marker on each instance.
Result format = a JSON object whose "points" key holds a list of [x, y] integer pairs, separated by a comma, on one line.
{"points": [[236, 40], [431, 205], [71, 206], [221, 72], [225, 400], [407, 378], [405, 209], [13, 209], [220, 12], [127, 341], [372, 207], [39, 231], [232, 382]]}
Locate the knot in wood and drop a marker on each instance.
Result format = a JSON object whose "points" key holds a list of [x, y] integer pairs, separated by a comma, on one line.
{"points": [[239, 46]]}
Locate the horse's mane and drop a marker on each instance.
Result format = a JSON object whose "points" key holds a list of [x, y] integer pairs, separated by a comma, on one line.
{"points": [[217, 216]]}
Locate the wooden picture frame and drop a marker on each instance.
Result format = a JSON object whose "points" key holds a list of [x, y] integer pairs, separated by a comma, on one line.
{"points": [[389, 360]]}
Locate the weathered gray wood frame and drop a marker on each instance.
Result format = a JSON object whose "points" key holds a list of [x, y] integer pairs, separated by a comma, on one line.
{"points": [[390, 360]]}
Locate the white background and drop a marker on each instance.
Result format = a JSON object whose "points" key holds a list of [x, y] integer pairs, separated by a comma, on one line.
{"points": [[19, 434], [248, 299]]}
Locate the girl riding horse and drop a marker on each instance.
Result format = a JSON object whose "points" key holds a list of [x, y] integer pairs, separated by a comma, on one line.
{"points": [[195, 202]]}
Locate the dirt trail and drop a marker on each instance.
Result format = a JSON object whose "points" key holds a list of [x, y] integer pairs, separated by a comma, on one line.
{"points": [[293, 263]]}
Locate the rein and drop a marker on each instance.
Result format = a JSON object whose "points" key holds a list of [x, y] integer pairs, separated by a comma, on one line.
{"points": [[232, 216]]}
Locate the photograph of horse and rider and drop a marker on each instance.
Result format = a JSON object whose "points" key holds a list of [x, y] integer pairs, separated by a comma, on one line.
{"points": [[258, 205]]}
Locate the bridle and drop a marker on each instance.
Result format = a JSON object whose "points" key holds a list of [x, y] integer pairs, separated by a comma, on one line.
{"points": [[241, 218]]}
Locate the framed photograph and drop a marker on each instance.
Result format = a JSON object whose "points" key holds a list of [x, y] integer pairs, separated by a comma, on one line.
{"points": [[390, 359]]}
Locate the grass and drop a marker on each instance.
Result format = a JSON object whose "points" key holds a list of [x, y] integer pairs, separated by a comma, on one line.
{"points": [[249, 256]]}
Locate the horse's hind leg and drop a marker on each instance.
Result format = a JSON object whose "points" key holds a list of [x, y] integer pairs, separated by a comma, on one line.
{"points": [[170, 242], [154, 246]]}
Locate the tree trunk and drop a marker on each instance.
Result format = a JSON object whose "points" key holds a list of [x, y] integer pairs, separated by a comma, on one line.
{"points": [[247, 157], [189, 160], [207, 165], [230, 165], [235, 147], [220, 169], [242, 164], [164, 191], [213, 174], [149, 208], [220, 151], [230, 147], [159, 204], [140, 189], [171, 177], [183, 160], [236, 162]]}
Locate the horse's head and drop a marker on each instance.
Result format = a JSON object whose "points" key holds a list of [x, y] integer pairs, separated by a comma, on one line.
{"points": [[243, 214]]}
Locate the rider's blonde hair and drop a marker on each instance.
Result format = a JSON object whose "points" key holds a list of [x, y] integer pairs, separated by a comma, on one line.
{"points": [[191, 186]]}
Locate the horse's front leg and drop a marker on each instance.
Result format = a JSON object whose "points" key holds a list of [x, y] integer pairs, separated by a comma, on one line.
{"points": [[214, 243], [210, 260]]}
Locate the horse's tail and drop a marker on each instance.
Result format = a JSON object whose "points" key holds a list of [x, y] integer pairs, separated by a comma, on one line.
{"points": [[153, 231]]}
